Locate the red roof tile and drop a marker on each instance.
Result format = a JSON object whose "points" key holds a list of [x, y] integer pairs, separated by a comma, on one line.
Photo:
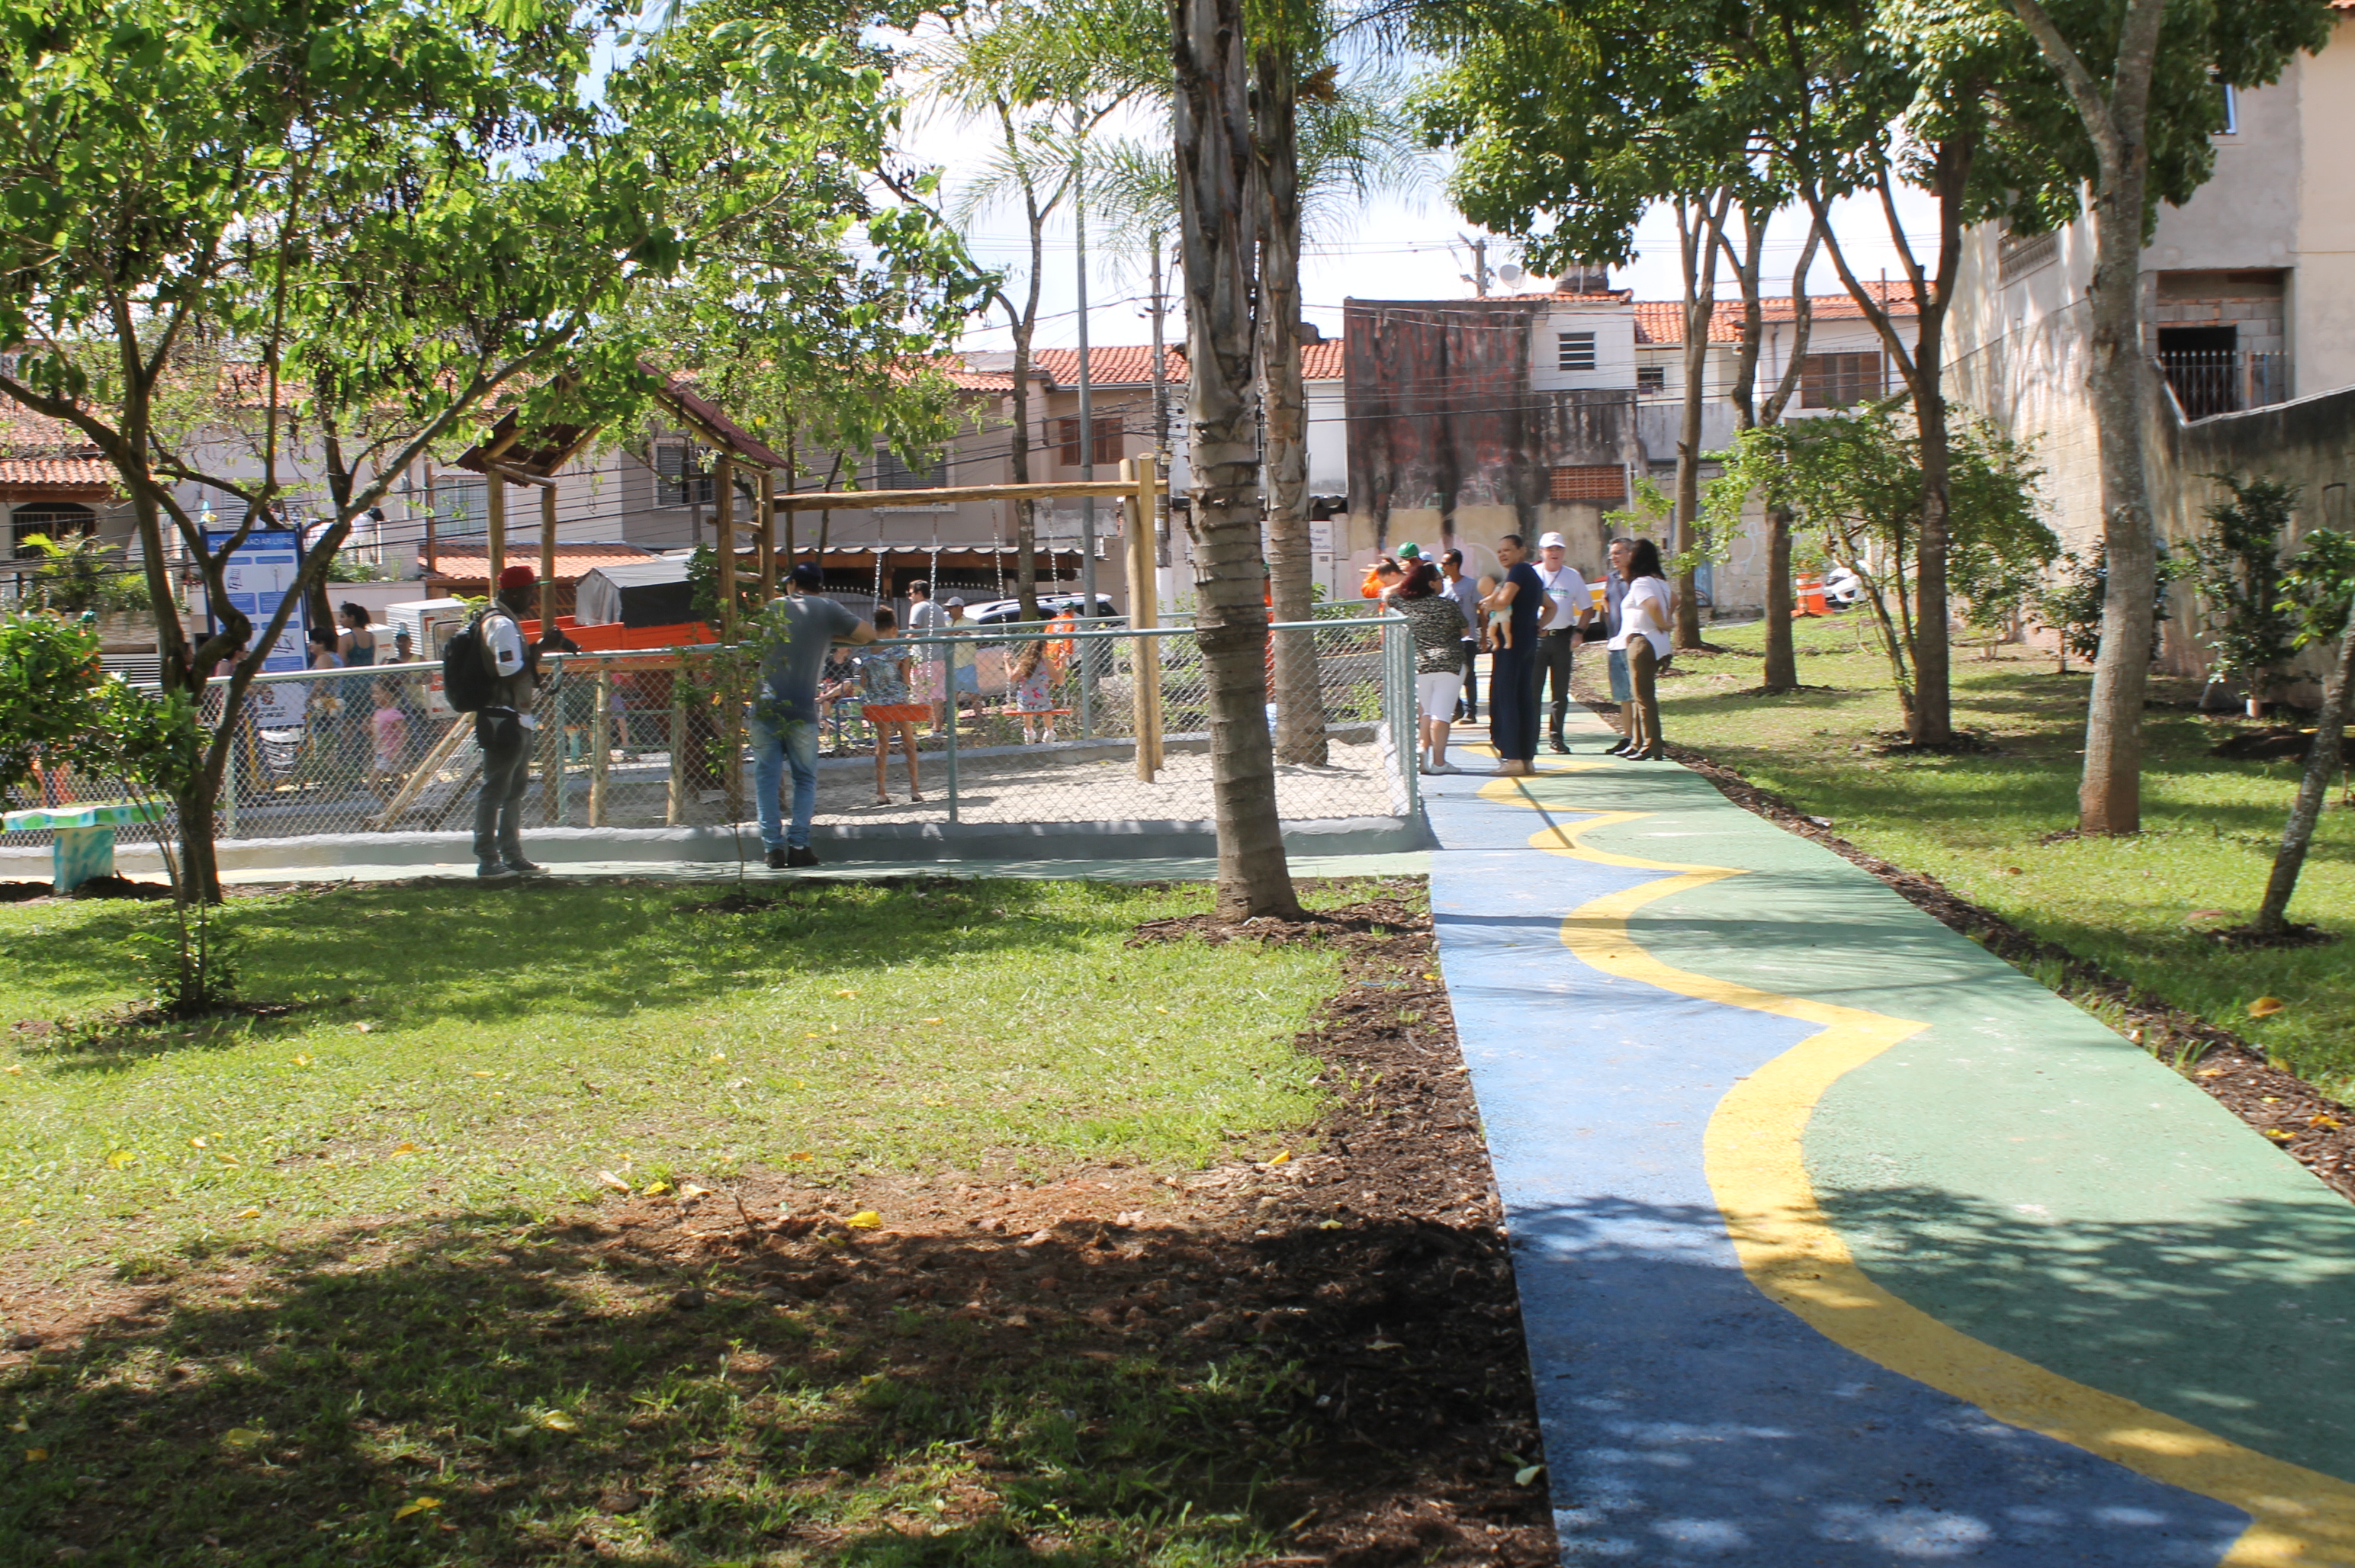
{"points": [[572, 560], [94, 476], [1661, 323], [23, 434], [1131, 364]]}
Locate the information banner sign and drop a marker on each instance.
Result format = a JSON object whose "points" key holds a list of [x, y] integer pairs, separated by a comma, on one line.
{"points": [[257, 579]]}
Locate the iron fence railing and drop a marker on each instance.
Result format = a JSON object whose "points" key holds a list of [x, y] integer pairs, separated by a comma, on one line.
{"points": [[2224, 381], [657, 738]]}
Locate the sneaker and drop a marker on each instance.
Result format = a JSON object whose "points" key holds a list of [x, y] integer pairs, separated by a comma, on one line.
{"points": [[802, 855], [523, 867], [1422, 765], [495, 871], [775, 859], [1559, 746]]}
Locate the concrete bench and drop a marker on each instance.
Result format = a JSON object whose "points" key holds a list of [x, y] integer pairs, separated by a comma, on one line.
{"points": [[84, 847]]}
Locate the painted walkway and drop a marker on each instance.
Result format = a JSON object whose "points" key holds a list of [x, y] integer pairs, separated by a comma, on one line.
{"points": [[1841, 1243]]}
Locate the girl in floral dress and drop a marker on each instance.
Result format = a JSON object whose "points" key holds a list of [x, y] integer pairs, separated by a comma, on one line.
{"points": [[884, 671]]}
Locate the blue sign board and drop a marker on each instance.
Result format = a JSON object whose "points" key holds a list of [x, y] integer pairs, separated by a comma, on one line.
{"points": [[258, 576]]}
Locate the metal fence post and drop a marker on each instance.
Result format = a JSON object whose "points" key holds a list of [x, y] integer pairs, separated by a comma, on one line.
{"points": [[672, 802], [228, 788], [599, 761], [948, 678], [1398, 644]]}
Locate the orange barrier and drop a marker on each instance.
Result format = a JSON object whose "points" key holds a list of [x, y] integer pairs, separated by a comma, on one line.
{"points": [[615, 638], [1809, 591]]}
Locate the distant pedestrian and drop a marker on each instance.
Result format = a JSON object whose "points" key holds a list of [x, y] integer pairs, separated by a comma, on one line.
{"points": [[963, 660], [504, 729], [389, 726], [1623, 691], [1467, 595], [1436, 621], [1644, 615], [796, 631], [1514, 608], [1569, 607], [1033, 680], [888, 703], [1381, 579]]}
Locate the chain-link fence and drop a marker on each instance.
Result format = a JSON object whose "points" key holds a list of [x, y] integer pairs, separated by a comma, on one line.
{"points": [[1037, 725]]}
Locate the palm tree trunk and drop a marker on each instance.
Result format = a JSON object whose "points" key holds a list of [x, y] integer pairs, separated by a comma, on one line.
{"points": [[1218, 214], [1299, 697]]}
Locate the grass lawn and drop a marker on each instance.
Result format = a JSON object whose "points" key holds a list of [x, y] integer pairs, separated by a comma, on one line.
{"points": [[355, 1284], [460, 1050], [1978, 823]]}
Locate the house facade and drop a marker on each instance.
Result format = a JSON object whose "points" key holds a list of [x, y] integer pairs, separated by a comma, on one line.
{"points": [[2249, 323], [1469, 420]]}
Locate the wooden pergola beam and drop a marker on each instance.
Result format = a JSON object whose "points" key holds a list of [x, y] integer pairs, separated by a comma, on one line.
{"points": [[852, 500]]}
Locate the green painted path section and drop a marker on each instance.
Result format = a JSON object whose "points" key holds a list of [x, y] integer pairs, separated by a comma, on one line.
{"points": [[1805, 1185], [2018, 1169]]}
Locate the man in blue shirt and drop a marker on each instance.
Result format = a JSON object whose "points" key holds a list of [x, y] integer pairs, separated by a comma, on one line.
{"points": [[1521, 600], [796, 632]]}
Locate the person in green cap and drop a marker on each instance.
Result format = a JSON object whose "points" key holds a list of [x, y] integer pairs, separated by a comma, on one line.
{"points": [[1410, 551]]}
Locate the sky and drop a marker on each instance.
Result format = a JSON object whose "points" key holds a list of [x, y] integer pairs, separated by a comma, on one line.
{"points": [[1394, 247]]}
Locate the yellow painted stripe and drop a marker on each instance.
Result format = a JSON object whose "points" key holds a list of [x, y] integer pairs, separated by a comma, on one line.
{"points": [[1756, 1168]]}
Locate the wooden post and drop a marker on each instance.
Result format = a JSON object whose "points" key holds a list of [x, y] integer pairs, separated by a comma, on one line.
{"points": [[546, 558], [494, 505], [1144, 661], [766, 541], [599, 760], [723, 539]]}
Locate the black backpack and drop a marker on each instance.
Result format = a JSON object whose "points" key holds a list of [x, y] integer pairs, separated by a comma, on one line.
{"points": [[467, 682]]}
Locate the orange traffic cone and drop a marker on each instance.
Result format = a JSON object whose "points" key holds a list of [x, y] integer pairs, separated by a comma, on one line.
{"points": [[1810, 594]]}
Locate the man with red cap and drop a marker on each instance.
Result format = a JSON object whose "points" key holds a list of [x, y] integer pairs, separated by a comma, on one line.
{"points": [[504, 728]]}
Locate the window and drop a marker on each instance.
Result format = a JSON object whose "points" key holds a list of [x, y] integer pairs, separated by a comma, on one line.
{"points": [[59, 521], [891, 473], [461, 507], [2017, 255], [1574, 350], [1835, 381], [1109, 441], [678, 477], [1651, 380], [1590, 481], [2232, 119]]}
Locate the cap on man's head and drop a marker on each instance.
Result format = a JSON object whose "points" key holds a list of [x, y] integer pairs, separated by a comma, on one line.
{"points": [[809, 574], [954, 602], [517, 576], [1410, 551], [1553, 542]]}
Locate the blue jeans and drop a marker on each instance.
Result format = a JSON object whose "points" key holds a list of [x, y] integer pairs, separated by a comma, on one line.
{"points": [[794, 742], [1623, 688]]}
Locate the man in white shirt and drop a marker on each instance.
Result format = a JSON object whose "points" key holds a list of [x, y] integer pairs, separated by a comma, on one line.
{"points": [[1569, 607], [1467, 595], [925, 619]]}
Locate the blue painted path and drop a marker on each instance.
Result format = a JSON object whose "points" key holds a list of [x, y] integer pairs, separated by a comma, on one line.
{"points": [[1688, 1419]]}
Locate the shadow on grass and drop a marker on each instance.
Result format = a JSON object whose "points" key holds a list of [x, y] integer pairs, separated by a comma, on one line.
{"points": [[434, 951], [1101, 1397]]}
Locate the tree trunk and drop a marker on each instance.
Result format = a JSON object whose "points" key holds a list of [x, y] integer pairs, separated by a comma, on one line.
{"points": [[2313, 788], [1160, 412], [2109, 796], [1299, 695], [1782, 657], [1930, 723], [1699, 235], [199, 859], [1217, 215]]}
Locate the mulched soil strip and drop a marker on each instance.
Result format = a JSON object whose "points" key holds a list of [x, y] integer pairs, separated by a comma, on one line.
{"points": [[2316, 1131], [1369, 1254]]}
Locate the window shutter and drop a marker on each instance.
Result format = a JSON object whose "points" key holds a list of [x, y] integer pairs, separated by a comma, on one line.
{"points": [[1575, 350]]}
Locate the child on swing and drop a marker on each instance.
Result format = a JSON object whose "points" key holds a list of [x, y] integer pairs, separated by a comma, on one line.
{"points": [[884, 668], [1034, 698]]}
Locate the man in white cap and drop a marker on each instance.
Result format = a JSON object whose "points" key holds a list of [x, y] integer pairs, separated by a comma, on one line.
{"points": [[1569, 607]]}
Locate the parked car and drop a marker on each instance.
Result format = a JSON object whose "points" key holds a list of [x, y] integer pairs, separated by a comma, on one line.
{"points": [[1842, 590], [1003, 612]]}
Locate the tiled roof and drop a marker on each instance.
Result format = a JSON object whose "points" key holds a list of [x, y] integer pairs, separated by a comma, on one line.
{"points": [[1661, 323], [23, 434], [1591, 296], [572, 560], [1131, 364], [78, 474]]}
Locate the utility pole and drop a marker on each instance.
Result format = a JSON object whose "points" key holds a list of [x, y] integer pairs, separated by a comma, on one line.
{"points": [[1478, 278], [1160, 411], [1087, 436]]}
